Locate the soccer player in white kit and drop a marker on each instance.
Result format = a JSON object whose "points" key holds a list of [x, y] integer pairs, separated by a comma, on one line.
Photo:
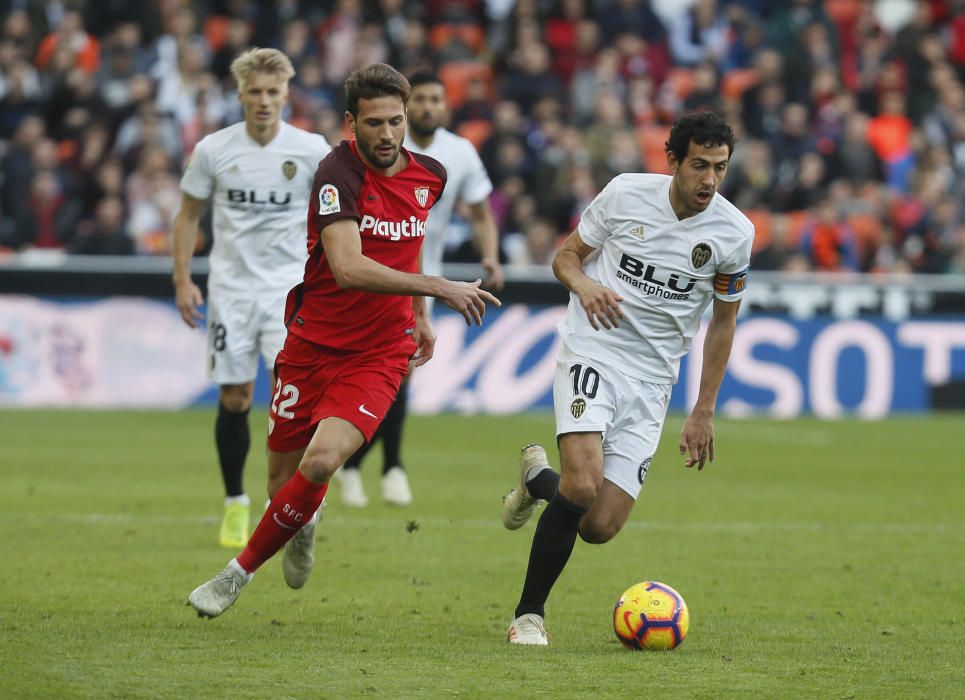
{"points": [[468, 183], [649, 255], [257, 174]]}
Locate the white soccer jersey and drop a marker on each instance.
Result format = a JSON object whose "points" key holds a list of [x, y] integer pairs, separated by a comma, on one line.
{"points": [[467, 181], [666, 270], [259, 195]]}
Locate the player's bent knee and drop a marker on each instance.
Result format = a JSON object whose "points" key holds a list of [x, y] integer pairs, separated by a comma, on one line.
{"points": [[582, 492], [236, 397], [597, 533], [319, 466]]}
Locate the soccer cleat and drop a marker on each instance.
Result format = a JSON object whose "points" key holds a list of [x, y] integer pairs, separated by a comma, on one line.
{"points": [[395, 487], [299, 557], [519, 505], [234, 525], [217, 595], [353, 493], [528, 629]]}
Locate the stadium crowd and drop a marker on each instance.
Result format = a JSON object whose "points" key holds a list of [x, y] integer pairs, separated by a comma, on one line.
{"points": [[851, 113]]}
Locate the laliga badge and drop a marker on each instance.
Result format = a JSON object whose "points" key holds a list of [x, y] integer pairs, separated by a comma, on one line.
{"points": [[328, 200]]}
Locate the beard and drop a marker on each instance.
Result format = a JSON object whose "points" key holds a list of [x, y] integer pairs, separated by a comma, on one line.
{"points": [[422, 129], [374, 158]]}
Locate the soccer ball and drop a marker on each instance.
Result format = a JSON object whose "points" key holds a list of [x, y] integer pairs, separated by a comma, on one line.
{"points": [[651, 615]]}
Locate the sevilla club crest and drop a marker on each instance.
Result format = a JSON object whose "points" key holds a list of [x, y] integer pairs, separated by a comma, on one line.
{"points": [[422, 195]]}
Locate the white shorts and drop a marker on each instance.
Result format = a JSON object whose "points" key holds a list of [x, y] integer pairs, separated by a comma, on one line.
{"points": [[592, 397], [239, 330]]}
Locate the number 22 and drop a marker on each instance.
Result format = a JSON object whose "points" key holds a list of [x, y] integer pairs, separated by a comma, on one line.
{"points": [[291, 398]]}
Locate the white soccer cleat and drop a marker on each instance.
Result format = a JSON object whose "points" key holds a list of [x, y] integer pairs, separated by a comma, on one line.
{"points": [[299, 557], [353, 493], [519, 505], [528, 629], [395, 487], [217, 595]]}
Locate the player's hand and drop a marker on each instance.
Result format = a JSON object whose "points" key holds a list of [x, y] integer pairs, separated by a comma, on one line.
{"points": [[494, 273], [425, 338], [188, 298], [697, 440], [602, 306], [468, 299]]}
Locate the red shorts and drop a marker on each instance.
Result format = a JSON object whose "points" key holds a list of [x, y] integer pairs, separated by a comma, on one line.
{"points": [[313, 382]]}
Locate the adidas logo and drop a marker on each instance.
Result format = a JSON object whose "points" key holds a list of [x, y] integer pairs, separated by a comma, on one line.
{"points": [[637, 232]]}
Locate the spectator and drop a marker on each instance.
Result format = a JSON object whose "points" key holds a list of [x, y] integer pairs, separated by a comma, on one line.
{"points": [[632, 16], [180, 92], [106, 235], [706, 91], [70, 35], [153, 196], [889, 134], [699, 34], [776, 252], [867, 109], [829, 242], [530, 78], [49, 217]]}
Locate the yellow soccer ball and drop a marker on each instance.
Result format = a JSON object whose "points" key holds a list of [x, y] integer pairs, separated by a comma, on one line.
{"points": [[652, 616]]}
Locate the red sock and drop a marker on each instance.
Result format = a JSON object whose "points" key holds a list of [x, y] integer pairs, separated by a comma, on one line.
{"points": [[293, 506]]}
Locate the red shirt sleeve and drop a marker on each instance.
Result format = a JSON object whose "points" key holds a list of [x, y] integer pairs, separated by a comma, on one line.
{"points": [[335, 190]]}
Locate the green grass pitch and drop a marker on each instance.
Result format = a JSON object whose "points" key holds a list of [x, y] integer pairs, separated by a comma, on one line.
{"points": [[819, 560]]}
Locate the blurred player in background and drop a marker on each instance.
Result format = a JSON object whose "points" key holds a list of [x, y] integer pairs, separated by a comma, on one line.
{"points": [[648, 256], [467, 183], [258, 176], [354, 323]]}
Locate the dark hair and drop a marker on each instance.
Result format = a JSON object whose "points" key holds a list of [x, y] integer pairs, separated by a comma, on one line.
{"points": [[424, 77], [375, 80], [703, 128]]}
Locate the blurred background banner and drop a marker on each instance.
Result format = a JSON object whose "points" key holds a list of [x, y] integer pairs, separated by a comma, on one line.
{"points": [[780, 366], [110, 353], [137, 353]]}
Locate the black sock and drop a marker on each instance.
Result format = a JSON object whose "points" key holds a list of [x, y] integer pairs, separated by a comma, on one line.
{"points": [[552, 545], [392, 429], [232, 438], [544, 484]]}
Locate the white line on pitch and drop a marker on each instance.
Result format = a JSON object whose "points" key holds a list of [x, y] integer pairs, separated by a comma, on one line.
{"points": [[430, 522]]}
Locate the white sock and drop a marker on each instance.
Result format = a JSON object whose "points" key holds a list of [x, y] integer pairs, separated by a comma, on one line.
{"points": [[242, 499], [237, 568]]}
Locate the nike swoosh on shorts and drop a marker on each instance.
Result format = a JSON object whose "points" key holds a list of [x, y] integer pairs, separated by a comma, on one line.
{"points": [[363, 409]]}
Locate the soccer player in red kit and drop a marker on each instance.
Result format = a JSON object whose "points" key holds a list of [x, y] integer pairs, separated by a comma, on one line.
{"points": [[354, 323]]}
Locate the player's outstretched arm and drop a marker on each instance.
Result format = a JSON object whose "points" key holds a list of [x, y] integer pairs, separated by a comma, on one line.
{"points": [[697, 436], [186, 293], [601, 304], [487, 239], [353, 270]]}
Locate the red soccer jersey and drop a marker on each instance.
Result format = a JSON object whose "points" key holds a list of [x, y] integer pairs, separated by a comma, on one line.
{"points": [[391, 213]]}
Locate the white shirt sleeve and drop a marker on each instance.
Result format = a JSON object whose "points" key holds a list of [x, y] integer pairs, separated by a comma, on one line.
{"points": [[476, 185], [731, 279], [198, 180], [594, 225], [323, 146]]}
